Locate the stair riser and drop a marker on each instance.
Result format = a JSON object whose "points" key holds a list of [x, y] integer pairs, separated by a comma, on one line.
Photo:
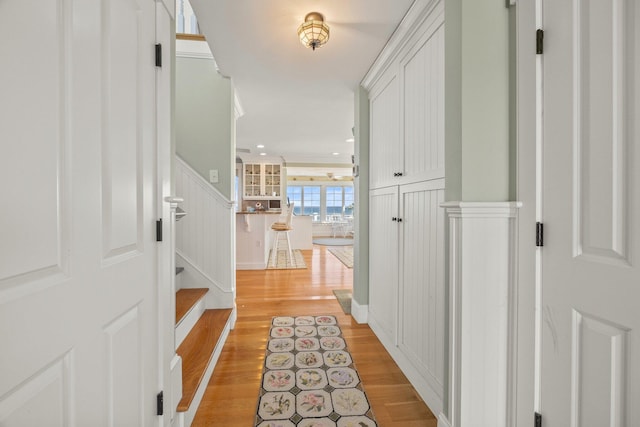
{"points": [[184, 327], [178, 282]]}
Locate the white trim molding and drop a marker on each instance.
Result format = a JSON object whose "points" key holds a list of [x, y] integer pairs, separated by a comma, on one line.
{"points": [[443, 421], [419, 12], [359, 312], [482, 313]]}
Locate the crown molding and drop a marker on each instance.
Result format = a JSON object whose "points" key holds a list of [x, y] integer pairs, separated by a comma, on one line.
{"points": [[418, 13]]}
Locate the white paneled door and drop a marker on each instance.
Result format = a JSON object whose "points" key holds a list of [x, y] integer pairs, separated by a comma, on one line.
{"points": [[590, 295], [78, 267], [422, 299], [383, 268]]}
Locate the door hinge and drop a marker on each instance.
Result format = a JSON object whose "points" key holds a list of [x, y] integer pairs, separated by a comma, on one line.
{"points": [[158, 55], [159, 230], [539, 234], [160, 404], [538, 419], [539, 41]]}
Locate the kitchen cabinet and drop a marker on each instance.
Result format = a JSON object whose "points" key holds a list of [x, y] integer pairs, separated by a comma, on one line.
{"points": [[262, 181]]}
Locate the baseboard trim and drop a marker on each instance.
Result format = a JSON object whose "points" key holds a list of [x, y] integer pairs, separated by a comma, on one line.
{"points": [[443, 421], [251, 266], [431, 396], [359, 312]]}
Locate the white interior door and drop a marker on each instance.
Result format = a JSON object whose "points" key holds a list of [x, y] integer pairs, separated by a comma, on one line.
{"points": [[590, 296], [78, 316]]}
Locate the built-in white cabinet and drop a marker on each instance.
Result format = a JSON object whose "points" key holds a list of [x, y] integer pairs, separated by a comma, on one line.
{"points": [[407, 112], [407, 304], [385, 147], [262, 181], [406, 280], [383, 248]]}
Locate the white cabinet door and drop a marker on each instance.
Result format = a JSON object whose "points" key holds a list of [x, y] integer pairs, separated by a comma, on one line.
{"points": [[590, 322], [78, 258], [422, 285], [386, 150], [383, 259], [422, 72]]}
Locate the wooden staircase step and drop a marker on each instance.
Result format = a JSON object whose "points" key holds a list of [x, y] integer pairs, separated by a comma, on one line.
{"points": [[186, 299], [196, 352]]}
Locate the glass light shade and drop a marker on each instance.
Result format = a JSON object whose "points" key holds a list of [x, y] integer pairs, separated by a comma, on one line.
{"points": [[313, 32]]}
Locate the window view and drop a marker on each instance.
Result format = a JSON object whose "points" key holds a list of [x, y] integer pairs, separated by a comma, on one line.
{"points": [[323, 203]]}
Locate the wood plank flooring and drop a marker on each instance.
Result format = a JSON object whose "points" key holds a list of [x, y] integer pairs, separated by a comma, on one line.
{"points": [[232, 394]]}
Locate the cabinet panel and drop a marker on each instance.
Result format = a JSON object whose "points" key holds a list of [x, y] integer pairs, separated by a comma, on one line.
{"points": [[383, 259], [423, 108], [422, 286], [385, 151]]}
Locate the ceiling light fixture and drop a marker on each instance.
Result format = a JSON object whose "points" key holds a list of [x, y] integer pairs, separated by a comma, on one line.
{"points": [[259, 146], [313, 32], [263, 154], [336, 154]]}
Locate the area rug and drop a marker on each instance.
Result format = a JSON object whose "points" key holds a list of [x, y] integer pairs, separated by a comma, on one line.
{"points": [[282, 261], [329, 241], [344, 254], [344, 299], [309, 379]]}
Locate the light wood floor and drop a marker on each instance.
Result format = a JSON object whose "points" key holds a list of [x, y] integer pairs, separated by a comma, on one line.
{"points": [[231, 396]]}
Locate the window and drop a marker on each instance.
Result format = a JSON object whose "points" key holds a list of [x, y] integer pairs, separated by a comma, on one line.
{"points": [[311, 200], [340, 202], [328, 203], [306, 199]]}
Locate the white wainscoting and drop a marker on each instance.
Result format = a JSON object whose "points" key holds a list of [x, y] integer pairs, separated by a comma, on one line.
{"points": [[482, 313], [205, 238]]}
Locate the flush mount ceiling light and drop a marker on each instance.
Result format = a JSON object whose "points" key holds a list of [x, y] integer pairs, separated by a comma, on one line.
{"points": [[313, 32]]}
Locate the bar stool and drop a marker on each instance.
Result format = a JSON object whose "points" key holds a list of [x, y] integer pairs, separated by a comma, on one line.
{"points": [[283, 227]]}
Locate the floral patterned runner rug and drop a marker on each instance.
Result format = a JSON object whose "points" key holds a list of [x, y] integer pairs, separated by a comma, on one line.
{"points": [[309, 379]]}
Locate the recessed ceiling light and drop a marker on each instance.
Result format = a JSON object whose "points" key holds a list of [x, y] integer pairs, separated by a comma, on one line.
{"points": [[263, 154], [259, 146], [336, 154], [350, 140]]}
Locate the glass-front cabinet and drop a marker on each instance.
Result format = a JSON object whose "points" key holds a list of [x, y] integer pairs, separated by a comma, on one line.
{"points": [[262, 181]]}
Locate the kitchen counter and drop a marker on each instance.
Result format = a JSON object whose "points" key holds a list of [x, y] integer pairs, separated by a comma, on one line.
{"points": [[258, 213], [254, 237]]}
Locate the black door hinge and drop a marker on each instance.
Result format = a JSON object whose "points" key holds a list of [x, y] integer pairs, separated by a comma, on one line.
{"points": [[539, 41], [159, 230], [160, 404], [539, 234], [158, 55], [538, 420]]}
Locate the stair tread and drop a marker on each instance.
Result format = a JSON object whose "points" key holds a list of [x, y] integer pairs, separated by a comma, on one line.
{"points": [[196, 352], [186, 299]]}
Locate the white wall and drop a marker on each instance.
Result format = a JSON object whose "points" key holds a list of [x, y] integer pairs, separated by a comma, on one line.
{"points": [[205, 121]]}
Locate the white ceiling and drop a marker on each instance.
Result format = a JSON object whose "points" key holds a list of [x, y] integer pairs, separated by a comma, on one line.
{"points": [[297, 103]]}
